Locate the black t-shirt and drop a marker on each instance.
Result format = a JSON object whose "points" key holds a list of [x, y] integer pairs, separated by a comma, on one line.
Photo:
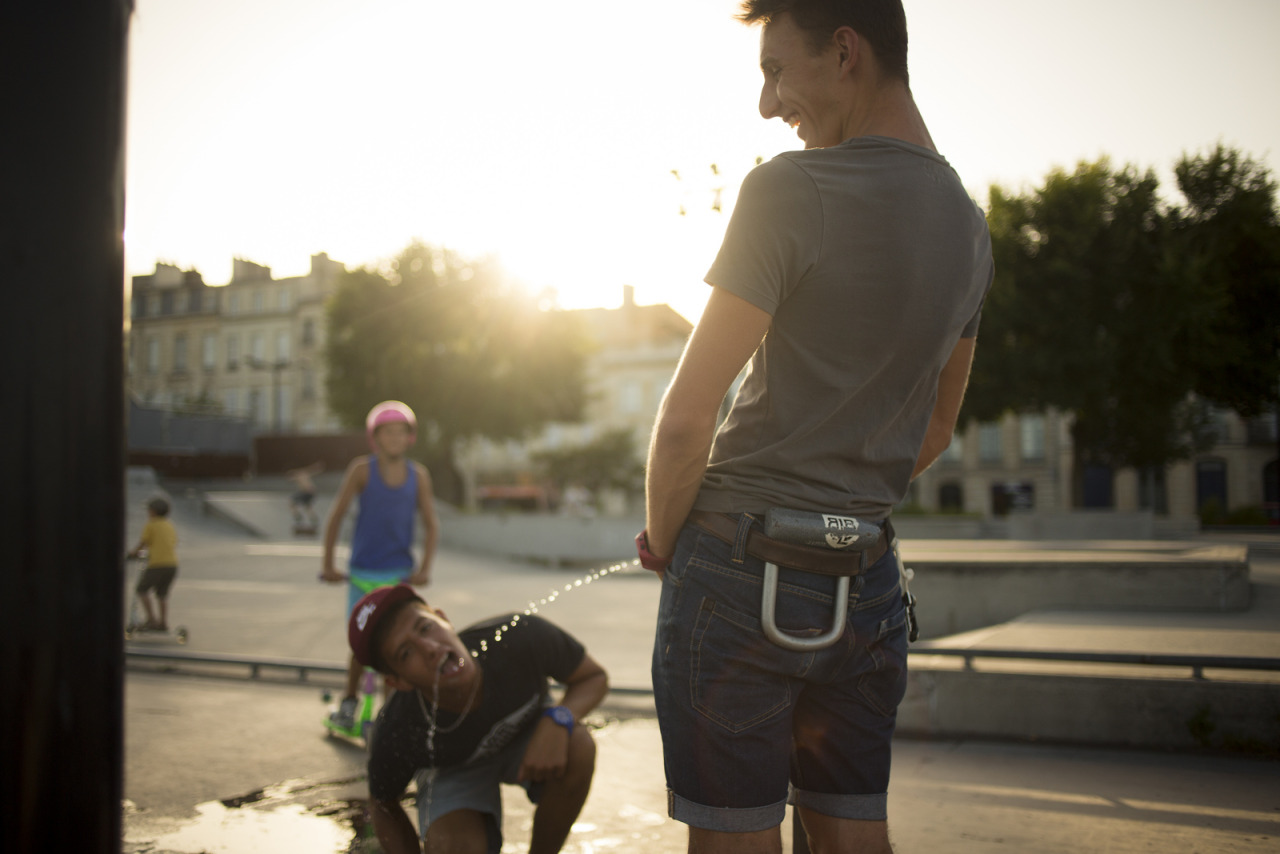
{"points": [[517, 672]]}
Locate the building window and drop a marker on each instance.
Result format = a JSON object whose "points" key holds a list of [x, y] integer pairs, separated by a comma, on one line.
{"points": [[153, 355], [153, 305], [138, 306], [257, 348], [1153, 492], [231, 400], [308, 332], [282, 346], [180, 353], [166, 303], [283, 414], [308, 384], [255, 406], [209, 351], [1032, 429], [950, 497], [211, 301], [1211, 489], [233, 303], [283, 299], [258, 300], [233, 352], [989, 450]]}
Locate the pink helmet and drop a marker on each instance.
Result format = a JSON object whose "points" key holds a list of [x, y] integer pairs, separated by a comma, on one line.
{"points": [[387, 412]]}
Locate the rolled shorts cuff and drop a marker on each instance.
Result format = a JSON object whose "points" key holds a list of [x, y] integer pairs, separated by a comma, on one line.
{"points": [[857, 807], [725, 819]]}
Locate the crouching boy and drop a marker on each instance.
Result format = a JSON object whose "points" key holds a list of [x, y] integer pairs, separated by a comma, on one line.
{"points": [[462, 721]]}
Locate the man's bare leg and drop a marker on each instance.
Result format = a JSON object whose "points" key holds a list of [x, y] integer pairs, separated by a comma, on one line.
{"points": [[715, 842], [458, 832], [354, 671], [562, 799], [830, 835]]}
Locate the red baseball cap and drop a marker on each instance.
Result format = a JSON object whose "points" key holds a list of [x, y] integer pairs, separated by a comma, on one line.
{"points": [[368, 613]]}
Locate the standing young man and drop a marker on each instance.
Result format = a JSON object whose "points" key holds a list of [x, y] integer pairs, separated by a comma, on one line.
{"points": [[852, 275]]}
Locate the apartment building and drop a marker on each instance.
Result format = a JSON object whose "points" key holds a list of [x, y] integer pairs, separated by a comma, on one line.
{"points": [[1025, 462], [251, 348]]}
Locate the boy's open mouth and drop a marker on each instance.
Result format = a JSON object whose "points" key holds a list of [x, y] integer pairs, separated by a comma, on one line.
{"points": [[450, 665]]}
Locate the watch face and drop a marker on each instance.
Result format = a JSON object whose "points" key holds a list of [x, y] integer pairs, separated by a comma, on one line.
{"points": [[562, 716]]}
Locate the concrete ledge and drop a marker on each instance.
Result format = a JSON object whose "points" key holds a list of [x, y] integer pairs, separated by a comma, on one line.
{"points": [[555, 540], [960, 592], [1168, 713]]}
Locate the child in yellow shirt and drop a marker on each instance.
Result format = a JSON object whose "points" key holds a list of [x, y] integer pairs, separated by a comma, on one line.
{"points": [[161, 543]]}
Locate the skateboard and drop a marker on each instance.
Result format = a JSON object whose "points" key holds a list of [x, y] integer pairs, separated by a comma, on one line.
{"points": [[139, 631]]}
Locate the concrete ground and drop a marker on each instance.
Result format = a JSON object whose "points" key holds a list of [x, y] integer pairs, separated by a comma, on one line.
{"points": [[224, 764], [218, 762]]}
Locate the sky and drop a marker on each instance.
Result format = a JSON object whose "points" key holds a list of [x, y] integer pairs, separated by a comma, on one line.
{"points": [[547, 136]]}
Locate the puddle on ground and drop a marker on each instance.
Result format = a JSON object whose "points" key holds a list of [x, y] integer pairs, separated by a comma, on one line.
{"points": [[257, 822]]}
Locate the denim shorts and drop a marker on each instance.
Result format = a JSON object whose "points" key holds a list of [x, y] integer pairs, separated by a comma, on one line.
{"points": [[475, 786], [748, 726]]}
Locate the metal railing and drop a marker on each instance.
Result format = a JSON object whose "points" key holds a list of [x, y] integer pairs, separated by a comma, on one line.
{"points": [[1197, 663], [257, 664]]}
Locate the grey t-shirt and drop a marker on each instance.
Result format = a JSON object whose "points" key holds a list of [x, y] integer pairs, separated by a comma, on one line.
{"points": [[873, 262]]}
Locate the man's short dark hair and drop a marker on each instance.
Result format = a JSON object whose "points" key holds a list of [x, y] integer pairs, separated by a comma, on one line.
{"points": [[883, 23], [158, 506]]}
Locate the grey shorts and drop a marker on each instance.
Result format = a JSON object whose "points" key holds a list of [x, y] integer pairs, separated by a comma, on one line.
{"points": [[475, 786]]}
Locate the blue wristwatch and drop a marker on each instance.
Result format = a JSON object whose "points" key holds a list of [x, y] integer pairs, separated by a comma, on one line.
{"points": [[561, 715]]}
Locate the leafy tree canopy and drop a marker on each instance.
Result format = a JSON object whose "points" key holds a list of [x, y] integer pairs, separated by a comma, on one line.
{"points": [[470, 352], [1117, 307], [609, 461]]}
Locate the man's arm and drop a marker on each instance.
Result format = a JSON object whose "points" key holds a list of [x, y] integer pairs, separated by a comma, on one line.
{"points": [[395, 831], [548, 752], [354, 481], [430, 526], [728, 333], [946, 410]]}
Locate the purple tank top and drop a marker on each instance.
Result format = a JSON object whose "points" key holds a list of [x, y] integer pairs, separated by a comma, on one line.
{"points": [[383, 538]]}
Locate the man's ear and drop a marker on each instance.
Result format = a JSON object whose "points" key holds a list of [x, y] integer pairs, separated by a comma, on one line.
{"points": [[848, 46], [396, 682]]}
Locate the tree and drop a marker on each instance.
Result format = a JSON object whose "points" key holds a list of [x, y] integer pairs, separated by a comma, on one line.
{"points": [[1228, 239], [1129, 313], [607, 462], [1081, 317], [471, 353]]}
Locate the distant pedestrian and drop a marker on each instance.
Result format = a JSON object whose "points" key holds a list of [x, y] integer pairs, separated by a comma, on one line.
{"points": [[392, 491], [159, 540], [302, 502]]}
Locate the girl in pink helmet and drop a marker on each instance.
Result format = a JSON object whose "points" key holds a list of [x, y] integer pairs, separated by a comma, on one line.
{"points": [[393, 491]]}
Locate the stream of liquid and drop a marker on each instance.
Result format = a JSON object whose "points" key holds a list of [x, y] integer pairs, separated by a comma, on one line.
{"points": [[499, 634]]}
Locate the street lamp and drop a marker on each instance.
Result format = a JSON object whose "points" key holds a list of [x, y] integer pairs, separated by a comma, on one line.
{"points": [[275, 367]]}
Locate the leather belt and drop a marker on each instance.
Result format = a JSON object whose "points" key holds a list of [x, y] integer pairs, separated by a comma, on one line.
{"points": [[807, 558]]}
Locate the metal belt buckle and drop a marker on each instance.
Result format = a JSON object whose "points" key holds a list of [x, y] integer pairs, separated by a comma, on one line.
{"points": [[819, 530]]}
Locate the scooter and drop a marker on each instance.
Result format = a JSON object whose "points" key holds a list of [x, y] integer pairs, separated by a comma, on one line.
{"points": [[136, 628], [362, 727]]}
